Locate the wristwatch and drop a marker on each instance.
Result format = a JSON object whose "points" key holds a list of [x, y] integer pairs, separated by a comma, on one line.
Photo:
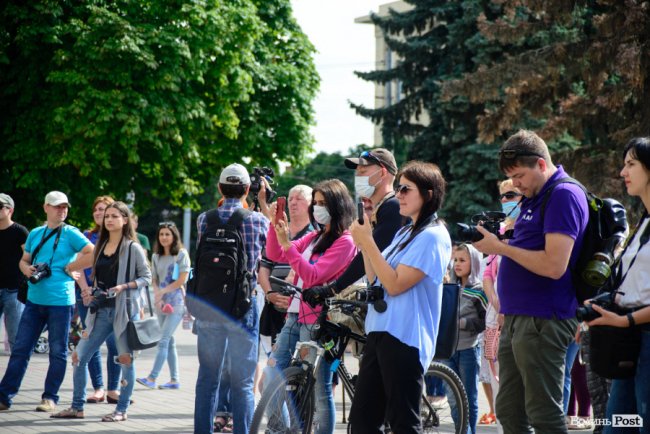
{"points": [[630, 318]]}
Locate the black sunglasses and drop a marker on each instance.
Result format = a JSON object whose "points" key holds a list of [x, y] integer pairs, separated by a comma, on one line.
{"points": [[366, 155], [402, 189], [511, 154], [510, 195], [167, 224]]}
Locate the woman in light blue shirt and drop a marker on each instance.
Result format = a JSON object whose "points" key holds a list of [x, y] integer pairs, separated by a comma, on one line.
{"points": [[401, 340]]}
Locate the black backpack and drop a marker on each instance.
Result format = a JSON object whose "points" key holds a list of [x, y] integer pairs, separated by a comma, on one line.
{"points": [[606, 230], [220, 280]]}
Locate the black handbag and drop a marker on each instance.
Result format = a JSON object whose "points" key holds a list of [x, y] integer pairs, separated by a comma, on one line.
{"points": [[614, 351], [448, 329], [143, 333]]}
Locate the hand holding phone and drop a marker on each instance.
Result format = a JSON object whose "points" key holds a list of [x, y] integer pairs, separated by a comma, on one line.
{"points": [[360, 212], [279, 209]]}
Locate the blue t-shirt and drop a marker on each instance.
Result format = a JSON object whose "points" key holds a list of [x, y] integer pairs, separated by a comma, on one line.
{"points": [[522, 292], [413, 316], [58, 289]]}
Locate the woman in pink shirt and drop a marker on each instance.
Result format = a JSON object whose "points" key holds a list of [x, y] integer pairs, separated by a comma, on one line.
{"points": [[317, 258]]}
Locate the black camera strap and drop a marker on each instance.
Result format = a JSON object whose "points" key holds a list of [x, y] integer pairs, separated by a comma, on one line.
{"points": [[44, 239], [642, 240]]}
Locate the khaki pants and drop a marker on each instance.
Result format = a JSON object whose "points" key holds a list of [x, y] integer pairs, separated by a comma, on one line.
{"points": [[531, 373]]}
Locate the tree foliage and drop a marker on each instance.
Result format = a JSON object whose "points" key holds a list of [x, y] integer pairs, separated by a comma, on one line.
{"points": [[147, 97], [473, 72]]}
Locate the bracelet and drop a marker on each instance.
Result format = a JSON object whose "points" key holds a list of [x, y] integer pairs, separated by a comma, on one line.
{"points": [[630, 318]]}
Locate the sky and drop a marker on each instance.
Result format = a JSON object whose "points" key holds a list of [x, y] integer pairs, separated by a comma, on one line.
{"points": [[342, 47]]}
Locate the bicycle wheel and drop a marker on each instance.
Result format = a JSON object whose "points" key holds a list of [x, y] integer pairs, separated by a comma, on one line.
{"points": [[287, 404], [452, 416]]}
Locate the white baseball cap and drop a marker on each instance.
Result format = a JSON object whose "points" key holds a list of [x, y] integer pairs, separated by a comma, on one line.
{"points": [[56, 198], [235, 174]]}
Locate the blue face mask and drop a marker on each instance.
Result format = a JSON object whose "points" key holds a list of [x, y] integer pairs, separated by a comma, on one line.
{"points": [[511, 209]]}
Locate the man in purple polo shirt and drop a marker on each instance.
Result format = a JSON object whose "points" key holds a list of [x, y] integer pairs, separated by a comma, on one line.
{"points": [[535, 289]]}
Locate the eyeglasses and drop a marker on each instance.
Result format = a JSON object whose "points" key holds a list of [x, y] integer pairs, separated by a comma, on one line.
{"points": [[510, 195], [167, 224], [366, 155], [402, 189], [511, 154]]}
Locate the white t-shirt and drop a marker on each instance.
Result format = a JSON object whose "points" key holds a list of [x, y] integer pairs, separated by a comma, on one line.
{"points": [[636, 285]]}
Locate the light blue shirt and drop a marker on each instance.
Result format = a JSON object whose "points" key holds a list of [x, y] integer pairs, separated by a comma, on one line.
{"points": [[58, 289], [413, 316]]}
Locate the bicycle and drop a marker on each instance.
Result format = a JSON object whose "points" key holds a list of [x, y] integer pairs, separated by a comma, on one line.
{"points": [[287, 403]]}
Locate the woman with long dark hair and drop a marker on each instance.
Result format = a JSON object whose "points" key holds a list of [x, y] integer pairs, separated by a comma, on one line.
{"points": [[170, 264], [120, 271], [317, 258], [631, 396], [84, 290], [401, 339]]}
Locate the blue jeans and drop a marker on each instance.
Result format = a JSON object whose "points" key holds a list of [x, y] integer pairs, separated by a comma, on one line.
{"points": [[35, 317], [571, 353], [434, 385], [12, 310], [95, 364], [167, 346], [240, 337], [465, 363], [224, 406], [632, 395], [102, 328]]}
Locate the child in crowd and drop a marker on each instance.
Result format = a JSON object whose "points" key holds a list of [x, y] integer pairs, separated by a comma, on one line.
{"points": [[465, 362]]}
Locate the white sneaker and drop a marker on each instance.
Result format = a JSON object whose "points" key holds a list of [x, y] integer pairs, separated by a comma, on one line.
{"points": [[46, 405]]}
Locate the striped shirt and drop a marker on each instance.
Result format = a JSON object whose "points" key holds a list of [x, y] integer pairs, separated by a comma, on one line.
{"points": [[254, 229]]}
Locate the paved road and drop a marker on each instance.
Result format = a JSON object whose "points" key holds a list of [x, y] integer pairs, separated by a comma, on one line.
{"points": [[154, 411]]}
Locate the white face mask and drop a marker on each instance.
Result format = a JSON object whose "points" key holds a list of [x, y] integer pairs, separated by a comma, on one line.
{"points": [[362, 185], [322, 215]]}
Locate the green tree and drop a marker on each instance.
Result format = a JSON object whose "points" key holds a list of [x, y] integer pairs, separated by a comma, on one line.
{"points": [[151, 98]]}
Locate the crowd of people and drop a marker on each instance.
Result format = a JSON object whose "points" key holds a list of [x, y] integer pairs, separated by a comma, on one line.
{"points": [[518, 331]]}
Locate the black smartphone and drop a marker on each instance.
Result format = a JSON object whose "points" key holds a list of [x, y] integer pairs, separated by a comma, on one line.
{"points": [[360, 212]]}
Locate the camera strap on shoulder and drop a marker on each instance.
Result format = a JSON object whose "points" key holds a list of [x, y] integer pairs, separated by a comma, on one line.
{"points": [[44, 240], [645, 236]]}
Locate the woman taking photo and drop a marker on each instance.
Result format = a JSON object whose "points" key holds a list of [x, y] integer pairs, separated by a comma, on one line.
{"points": [[401, 340], [632, 395], [84, 290], [119, 272], [170, 264], [317, 258]]}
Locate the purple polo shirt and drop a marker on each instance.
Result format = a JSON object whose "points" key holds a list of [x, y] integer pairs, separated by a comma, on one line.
{"points": [[522, 292]]}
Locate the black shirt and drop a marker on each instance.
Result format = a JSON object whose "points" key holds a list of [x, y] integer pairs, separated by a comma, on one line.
{"points": [[11, 241], [106, 270], [389, 221]]}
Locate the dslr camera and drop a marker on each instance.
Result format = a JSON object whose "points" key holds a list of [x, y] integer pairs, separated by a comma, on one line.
{"points": [[490, 220], [373, 295], [101, 298], [256, 182], [43, 271], [604, 300]]}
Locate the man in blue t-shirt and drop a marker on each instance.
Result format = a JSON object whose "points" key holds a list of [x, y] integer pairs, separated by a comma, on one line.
{"points": [[535, 288], [62, 250]]}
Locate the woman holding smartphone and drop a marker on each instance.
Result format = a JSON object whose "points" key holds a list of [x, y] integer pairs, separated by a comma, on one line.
{"points": [[401, 340], [120, 271]]}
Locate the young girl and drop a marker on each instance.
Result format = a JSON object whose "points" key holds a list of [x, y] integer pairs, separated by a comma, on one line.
{"points": [[473, 304], [171, 266], [117, 254]]}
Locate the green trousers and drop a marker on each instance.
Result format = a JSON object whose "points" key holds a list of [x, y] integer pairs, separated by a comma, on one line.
{"points": [[532, 354]]}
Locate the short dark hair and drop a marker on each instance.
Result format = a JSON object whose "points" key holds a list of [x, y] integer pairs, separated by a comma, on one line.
{"points": [[639, 148], [523, 149], [232, 191]]}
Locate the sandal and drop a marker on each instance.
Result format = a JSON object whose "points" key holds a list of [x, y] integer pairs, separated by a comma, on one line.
{"points": [[116, 416], [69, 413], [220, 424], [97, 397]]}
